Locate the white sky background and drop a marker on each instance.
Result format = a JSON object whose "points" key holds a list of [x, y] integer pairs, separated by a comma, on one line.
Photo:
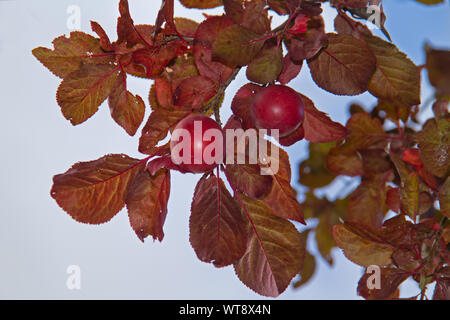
{"points": [[38, 241]]}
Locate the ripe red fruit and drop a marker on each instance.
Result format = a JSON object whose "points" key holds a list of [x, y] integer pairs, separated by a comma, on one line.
{"points": [[196, 144], [278, 107]]}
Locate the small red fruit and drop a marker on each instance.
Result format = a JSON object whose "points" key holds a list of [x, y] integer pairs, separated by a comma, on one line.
{"points": [[195, 145], [278, 107]]}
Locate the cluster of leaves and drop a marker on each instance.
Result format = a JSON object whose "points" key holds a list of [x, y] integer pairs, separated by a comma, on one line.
{"points": [[402, 165], [192, 65]]}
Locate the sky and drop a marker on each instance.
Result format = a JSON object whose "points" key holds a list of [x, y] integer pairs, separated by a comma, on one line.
{"points": [[38, 241]]}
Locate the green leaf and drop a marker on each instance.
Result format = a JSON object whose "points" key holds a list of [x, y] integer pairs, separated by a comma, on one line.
{"points": [[396, 77], [313, 171], [275, 250], [434, 145], [266, 66], [344, 67], [218, 229], [69, 53], [83, 91], [362, 251], [146, 202], [94, 192], [234, 46]]}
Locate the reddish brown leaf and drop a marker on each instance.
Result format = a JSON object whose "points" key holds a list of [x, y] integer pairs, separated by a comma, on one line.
{"points": [[409, 189], [438, 62], [186, 27], [126, 109], [146, 202], [294, 137], [158, 125], [434, 146], [94, 192], [249, 14], [363, 132], [69, 53], [194, 92], [266, 66], [318, 126], [444, 198], [310, 43], [344, 163], [362, 251], [235, 46], [390, 279], [393, 199], [344, 67], [387, 82], [203, 43], [105, 43], [308, 270], [282, 198], [367, 202], [275, 250], [155, 60], [201, 4], [81, 93], [218, 229], [290, 70], [247, 178]]}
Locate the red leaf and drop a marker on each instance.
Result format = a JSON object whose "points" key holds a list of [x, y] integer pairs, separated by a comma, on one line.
{"points": [[105, 43], [412, 156], [126, 109], [194, 92], [147, 204], [282, 198], [290, 69], [294, 137], [93, 192], [390, 279], [69, 53], [82, 92], [300, 24], [158, 125], [218, 230], [393, 199], [275, 250], [363, 251], [204, 39], [318, 126], [344, 67], [155, 60]]}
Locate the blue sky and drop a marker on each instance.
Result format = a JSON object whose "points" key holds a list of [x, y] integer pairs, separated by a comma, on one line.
{"points": [[38, 241]]}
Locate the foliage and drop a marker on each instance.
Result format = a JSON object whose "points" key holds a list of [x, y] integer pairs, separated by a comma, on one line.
{"points": [[396, 217]]}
